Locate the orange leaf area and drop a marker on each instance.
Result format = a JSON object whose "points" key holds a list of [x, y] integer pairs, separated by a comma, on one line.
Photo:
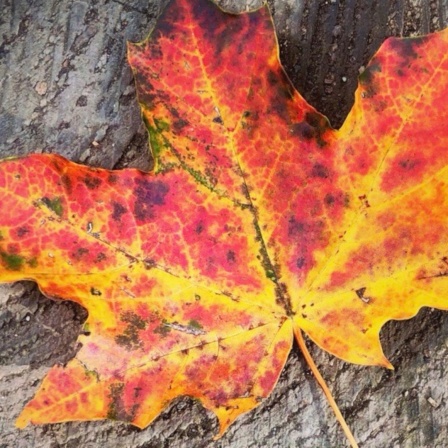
{"points": [[259, 221]]}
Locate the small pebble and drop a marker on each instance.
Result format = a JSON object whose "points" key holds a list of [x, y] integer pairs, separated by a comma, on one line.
{"points": [[41, 88], [85, 155]]}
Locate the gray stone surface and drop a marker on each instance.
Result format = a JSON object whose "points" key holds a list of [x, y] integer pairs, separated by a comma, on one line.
{"points": [[65, 87]]}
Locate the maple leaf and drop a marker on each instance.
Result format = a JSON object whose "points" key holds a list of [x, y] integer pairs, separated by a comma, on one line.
{"points": [[259, 221]]}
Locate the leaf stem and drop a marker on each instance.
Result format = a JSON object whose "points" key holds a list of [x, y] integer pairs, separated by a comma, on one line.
{"points": [[323, 385]]}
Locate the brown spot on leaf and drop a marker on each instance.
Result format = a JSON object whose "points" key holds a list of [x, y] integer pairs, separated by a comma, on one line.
{"points": [[130, 338], [320, 126], [148, 194], [80, 252], [179, 124], [163, 329], [66, 183], [22, 231], [100, 257], [408, 48], [231, 258], [199, 228], [295, 227], [144, 89], [149, 263], [117, 409], [320, 170], [272, 78], [408, 164], [112, 179], [118, 211], [92, 182], [302, 130], [329, 199]]}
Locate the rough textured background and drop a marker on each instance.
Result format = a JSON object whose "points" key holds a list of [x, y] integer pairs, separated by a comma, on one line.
{"points": [[65, 87]]}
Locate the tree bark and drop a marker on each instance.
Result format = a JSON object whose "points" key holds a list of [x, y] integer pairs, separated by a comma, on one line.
{"points": [[66, 88]]}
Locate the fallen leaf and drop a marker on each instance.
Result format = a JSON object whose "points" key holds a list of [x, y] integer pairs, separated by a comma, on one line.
{"points": [[259, 221]]}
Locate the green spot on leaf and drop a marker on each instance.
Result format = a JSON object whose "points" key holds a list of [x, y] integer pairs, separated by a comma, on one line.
{"points": [[195, 324], [155, 142], [54, 204], [367, 75], [163, 329], [13, 262], [32, 262], [161, 125], [91, 373]]}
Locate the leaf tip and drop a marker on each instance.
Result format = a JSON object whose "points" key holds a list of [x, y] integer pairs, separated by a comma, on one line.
{"points": [[22, 420], [226, 415], [389, 366], [386, 363], [223, 425]]}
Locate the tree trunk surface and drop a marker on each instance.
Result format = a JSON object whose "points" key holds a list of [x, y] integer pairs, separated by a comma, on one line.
{"points": [[65, 87]]}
